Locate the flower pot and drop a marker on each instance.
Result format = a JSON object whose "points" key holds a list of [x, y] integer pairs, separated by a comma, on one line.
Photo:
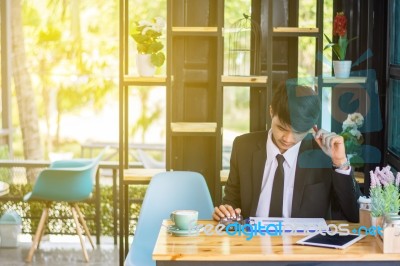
{"points": [[376, 221], [342, 68], [144, 66]]}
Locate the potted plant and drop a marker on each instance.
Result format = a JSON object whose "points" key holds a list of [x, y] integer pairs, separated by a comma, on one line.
{"points": [[341, 66], [147, 35], [384, 193]]}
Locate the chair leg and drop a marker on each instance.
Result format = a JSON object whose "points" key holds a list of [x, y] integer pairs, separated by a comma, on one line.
{"points": [[44, 227], [78, 230], [39, 230], [83, 222]]}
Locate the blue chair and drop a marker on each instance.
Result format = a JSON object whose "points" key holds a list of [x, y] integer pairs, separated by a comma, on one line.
{"points": [[167, 191], [69, 181]]}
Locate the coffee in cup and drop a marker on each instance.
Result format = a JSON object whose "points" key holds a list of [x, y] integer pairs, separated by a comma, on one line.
{"points": [[185, 219]]}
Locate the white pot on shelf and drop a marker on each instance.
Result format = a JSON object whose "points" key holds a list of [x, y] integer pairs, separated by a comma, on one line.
{"points": [[342, 68], [144, 66]]}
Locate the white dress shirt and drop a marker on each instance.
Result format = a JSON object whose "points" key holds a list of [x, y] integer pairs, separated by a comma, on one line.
{"points": [[289, 166]]}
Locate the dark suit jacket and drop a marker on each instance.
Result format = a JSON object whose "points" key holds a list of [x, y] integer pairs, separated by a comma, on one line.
{"points": [[319, 191]]}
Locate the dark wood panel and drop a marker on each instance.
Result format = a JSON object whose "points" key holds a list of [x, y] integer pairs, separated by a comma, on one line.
{"points": [[195, 13], [196, 154], [194, 92]]}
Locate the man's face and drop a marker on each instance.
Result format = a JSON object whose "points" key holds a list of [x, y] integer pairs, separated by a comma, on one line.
{"points": [[283, 135]]}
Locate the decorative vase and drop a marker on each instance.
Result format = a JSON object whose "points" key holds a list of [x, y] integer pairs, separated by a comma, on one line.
{"points": [[144, 66], [342, 68]]}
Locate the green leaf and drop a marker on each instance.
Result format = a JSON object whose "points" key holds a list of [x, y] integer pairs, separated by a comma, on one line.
{"points": [[357, 161], [327, 38], [343, 47], [158, 59], [335, 47], [154, 47]]}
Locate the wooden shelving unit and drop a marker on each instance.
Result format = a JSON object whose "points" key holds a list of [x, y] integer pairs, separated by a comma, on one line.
{"points": [[194, 98], [295, 30], [245, 81], [195, 31], [293, 33], [190, 127], [350, 80], [144, 81]]}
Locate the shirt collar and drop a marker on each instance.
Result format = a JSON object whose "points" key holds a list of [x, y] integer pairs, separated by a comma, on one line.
{"points": [[290, 155]]}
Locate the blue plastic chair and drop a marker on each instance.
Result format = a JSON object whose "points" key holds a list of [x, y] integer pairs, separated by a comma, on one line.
{"points": [[65, 180], [167, 192]]}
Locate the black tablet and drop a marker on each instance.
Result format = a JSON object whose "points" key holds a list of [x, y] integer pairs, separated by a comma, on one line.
{"points": [[330, 241]]}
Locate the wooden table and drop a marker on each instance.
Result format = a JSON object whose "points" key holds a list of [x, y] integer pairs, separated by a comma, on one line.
{"points": [[4, 188], [261, 250]]}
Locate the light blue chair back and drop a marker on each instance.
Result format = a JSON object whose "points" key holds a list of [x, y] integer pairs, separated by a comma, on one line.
{"points": [[167, 192], [66, 180]]}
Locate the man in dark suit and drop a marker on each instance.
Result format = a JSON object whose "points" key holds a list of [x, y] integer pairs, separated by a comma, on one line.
{"points": [[291, 170]]}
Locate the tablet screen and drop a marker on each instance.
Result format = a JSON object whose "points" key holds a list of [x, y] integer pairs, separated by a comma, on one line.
{"points": [[332, 241]]}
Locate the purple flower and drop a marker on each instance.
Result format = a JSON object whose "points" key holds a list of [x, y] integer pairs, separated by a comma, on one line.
{"points": [[389, 177], [374, 180]]}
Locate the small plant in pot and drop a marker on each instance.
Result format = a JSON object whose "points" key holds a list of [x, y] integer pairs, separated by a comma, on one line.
{"points": [[341, 66], [147, 36]]}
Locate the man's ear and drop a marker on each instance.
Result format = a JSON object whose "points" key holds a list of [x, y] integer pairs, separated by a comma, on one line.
{"points": [[271, 112]]}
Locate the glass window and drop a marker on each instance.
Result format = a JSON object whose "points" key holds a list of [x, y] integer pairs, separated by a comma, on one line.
{"points": [[307, 13], [394, 33], [306, 57], [147, 124], [393, 120], [236, 118], [238, 33]]}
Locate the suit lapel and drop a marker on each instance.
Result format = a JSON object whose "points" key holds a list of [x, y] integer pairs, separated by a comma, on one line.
{"points": [[300, 177], [259, 159]]}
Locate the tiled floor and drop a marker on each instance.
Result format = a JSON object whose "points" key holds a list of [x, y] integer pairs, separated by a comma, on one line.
{"points": [[61, 252]]}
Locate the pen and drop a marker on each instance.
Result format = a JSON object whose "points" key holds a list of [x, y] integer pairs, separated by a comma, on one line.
{"points": [[316, 130]]}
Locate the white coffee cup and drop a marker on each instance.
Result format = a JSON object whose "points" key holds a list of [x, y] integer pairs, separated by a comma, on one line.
{"points": [[184, 219]]}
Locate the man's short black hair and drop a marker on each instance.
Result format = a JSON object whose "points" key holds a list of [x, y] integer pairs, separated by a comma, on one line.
{"points": [[296, 105]]}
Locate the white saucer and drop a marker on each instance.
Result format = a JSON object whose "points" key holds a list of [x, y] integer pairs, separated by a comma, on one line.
{"points": [[179, 232]]}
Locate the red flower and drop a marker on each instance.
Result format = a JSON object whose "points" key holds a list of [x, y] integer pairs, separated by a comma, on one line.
{"points": [[340, 24], [339, 29]]}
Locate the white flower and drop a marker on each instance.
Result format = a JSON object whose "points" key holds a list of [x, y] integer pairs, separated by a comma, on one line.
{"points": [[144, 23], [352, 123], [358, 119], [156, 26], [145, 30], [356, 133], [160, 23], [347, 124]]}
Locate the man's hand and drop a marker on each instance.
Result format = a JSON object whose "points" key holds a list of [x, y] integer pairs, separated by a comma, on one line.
{"points": [[225, 211], [332, 145]]}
